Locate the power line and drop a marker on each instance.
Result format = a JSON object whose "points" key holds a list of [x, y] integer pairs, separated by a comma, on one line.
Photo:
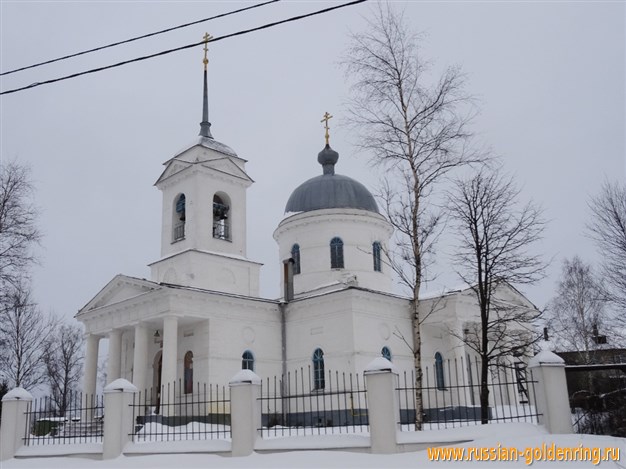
{"points": [[188, 46], [137, 38]]}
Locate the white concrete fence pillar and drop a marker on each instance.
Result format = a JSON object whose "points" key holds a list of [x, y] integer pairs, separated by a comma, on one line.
{"points": [[14, 420], [118, 417], [383, 411], [551, 392], [245, 411]]}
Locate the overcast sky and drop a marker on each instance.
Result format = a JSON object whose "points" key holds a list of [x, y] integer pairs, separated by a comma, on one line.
{"points": [[549, 78]]}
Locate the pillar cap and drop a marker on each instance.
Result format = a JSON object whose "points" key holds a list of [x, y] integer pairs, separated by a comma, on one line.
{"points": [[18, 394], [245, 377], [380, 365], [122, 385], [546, 358]]}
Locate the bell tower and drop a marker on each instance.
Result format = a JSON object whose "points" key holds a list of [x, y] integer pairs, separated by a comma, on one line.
{"points": [[203, 228]]}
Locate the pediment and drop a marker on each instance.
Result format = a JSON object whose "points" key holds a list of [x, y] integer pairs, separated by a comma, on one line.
{"points": [[206, 158], [504, 293], [227, 166], [174, 166], [119, 289]]}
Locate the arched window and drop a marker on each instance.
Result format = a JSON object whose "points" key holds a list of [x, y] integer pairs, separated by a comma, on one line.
{"points": [[295, 255], [318, 369], [386, 353], [439, 376], [221, 225], [188, 372], [336, 253], [247, 361], [178, 223], [376, 248]]}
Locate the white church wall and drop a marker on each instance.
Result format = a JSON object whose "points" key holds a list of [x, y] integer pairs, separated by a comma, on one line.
{"points": [[232, 325], [230, 337], [209, 271], [313, 231], [322, 322], [379, 320]]}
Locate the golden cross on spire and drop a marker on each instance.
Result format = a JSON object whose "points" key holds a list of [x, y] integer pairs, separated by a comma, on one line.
{"points": [[326, 118], [207, 37]]}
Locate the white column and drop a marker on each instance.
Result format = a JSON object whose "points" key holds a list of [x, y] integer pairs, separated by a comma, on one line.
{"points": [[170, 350], [140, 356], [115, 355], [91, 365]]}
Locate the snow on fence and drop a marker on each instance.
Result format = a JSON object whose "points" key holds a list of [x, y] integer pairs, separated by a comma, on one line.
{"points": [[76, 419], [178, 412], [305, 403], [451, 395]]}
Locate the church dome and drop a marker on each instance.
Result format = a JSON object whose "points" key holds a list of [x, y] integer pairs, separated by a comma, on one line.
{"points": [[330, 190]]}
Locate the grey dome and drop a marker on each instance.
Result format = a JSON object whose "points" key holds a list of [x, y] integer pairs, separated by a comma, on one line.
{"points": [[330, 190]]}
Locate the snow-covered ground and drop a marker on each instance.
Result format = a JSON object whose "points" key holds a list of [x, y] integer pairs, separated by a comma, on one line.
{"points": [[489, 436]]}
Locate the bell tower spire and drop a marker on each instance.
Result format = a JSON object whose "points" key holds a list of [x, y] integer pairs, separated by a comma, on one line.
{"points": [[205, 125]]}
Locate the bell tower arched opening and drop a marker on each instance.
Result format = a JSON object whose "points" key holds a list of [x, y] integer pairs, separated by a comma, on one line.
{"points": [[221, 217], [178, 218]]}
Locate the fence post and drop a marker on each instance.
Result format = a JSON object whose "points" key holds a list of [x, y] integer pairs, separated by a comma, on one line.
{"points": [[383, 410], [551, 392], [14, 420], [245, 411], [118, 417]]}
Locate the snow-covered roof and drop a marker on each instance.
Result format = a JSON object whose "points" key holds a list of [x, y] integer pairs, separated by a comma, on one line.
{"points": [[213, 253], [211, 144]]}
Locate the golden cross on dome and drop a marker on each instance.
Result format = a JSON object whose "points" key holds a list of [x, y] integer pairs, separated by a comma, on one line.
{"points": [[207, 37], [326, 118]]}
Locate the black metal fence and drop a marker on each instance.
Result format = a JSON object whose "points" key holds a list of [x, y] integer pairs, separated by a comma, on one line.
{"points": [[597, 396], [79, 418], [451, 395], [178, 412], [301, 404]]}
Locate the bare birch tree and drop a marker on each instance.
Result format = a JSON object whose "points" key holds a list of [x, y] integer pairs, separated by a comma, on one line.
{"points": [[24, 336], [416, 131], [18, 228], [608, 228], [64, 363], [495, 236], [578, 311]]}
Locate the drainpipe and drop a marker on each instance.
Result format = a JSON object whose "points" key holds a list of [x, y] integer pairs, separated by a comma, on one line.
{"points": [[288, 280]]}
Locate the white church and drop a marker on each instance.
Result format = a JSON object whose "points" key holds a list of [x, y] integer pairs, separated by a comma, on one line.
{"points": [[200, 317]]}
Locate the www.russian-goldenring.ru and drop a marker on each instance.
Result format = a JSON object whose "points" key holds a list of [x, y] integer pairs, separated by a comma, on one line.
{"points": [[545, 452]]}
